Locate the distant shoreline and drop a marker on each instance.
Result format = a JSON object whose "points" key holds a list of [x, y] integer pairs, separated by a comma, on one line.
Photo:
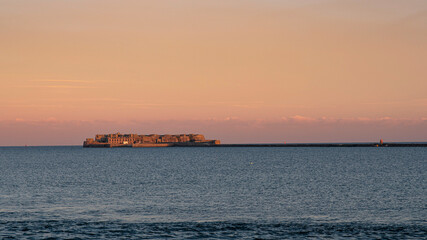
{"points": [[393, 144], [378, 144]]}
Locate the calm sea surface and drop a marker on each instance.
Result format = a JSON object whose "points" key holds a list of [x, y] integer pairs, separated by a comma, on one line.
{"points": [[213, 193]]}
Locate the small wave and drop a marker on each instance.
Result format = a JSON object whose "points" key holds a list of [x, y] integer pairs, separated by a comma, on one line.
{"points": [[212, 230]]}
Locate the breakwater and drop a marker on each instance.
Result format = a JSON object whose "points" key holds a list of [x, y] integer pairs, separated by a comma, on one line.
{"points": [[325, 145]]}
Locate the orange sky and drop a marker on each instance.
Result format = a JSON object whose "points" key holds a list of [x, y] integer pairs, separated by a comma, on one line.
{"points": [[240, 71]]}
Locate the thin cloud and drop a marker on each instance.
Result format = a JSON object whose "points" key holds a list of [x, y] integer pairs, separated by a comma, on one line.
{"points": [[61, 84], [419, 101], [149, 104], [244, 106], [299, 118], [58, 86], [235, 103], [33, 105], [354, 120], [68, 86], [58, 80], [70, 81]]}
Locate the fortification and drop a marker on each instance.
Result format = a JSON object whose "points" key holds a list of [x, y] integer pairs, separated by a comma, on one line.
{"points": [[152, 140]]}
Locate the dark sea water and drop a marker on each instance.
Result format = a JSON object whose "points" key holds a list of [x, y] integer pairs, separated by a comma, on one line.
{"points": [[213, 193]]}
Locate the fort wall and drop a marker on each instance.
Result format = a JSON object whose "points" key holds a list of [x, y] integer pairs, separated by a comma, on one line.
{"points": [[152, 140]]}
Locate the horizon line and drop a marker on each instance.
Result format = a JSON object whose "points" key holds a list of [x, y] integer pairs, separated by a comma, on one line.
{"points": [[249, 144]]}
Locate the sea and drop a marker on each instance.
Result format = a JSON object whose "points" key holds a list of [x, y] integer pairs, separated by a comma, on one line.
{"points": [[72, 192]]}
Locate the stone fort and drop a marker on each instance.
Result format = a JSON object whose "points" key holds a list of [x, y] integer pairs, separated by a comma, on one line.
{"points": [[152, 140]]}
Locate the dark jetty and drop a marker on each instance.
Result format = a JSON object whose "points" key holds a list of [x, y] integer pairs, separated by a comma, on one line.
{"points": [[325, 145]]}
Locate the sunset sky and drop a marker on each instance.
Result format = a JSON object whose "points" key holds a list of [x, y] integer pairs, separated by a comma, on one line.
{"points": [[250, 71]]}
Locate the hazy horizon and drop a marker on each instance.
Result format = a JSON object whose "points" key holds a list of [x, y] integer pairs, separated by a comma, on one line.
{"points": [[250, 71]]}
